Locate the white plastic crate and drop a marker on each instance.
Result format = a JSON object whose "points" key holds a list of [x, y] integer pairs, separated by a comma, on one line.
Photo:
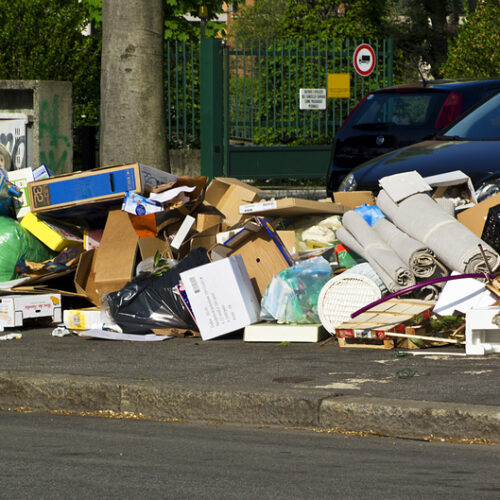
{"points": [[482, 336]]}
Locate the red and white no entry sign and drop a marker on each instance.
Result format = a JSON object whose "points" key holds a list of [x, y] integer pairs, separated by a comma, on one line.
{"points": [[364, 59]]}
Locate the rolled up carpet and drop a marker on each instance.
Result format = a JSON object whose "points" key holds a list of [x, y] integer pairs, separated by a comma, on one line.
{"points": [[420, 259], [455, 245], [377, 252]]}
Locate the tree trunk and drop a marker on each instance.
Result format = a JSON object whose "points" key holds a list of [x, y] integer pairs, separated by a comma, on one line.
{"points": [[132, 127]]}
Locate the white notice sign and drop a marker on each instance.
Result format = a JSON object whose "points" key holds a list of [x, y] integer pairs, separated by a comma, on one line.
{"points": [[312, 98]]}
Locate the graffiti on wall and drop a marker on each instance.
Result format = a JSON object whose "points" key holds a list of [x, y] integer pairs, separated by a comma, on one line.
{"points": [[54, 146], [13, 138]]}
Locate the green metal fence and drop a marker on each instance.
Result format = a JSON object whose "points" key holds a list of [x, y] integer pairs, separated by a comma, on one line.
{"points": [[263, 79], [245, 113], [182, 93]]}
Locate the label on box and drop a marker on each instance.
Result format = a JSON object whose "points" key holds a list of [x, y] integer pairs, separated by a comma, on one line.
{"points": [[257, 207], [136, 204]]}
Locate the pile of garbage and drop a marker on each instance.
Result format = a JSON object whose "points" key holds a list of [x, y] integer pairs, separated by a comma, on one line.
{"points": [[132, 252]]}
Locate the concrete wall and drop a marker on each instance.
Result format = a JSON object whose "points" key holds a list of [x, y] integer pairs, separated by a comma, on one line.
{"points": [[48, 107], [185, 162]]}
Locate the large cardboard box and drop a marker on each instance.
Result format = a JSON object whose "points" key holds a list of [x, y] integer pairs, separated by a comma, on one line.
{"points": [[14, 309], [89, 193], [227, 194], [261, 249], [475, 217], [290, 207], [221, 297]]}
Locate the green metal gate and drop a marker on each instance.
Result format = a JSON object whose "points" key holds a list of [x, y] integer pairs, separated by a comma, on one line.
{"points": [[251, 123]]}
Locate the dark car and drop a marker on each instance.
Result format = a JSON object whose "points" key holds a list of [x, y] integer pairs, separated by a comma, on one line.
{"points": [[394, 117], [471, 144]]}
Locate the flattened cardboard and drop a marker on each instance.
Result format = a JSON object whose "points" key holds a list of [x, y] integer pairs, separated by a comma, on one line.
{"points": [[85, 277], [227, 194], [354, 199], [290, 207], [111, 265], [475, 217]]}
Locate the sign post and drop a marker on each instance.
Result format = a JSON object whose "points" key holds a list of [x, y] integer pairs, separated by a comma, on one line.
{"points": [[363, 59]]}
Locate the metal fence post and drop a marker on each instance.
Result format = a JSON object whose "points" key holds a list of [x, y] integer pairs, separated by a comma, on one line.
{"points": [[211, 107]]}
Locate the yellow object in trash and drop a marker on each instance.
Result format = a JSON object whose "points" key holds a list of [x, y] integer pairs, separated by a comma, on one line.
{"points": [[56, 236]]}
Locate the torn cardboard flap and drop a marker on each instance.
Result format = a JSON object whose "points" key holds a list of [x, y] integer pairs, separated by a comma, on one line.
{"points": [[116, 255], [354, 199], [475, 217]]}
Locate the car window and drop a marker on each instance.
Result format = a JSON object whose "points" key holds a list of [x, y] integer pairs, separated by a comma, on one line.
{"points": [[483, 123], [413, 109]]}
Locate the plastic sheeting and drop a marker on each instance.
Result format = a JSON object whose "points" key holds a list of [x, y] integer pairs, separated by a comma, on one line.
{"points": [[15, 244]]}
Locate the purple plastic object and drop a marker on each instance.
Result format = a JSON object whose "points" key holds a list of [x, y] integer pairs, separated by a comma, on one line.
{"points": [[420, 285]]}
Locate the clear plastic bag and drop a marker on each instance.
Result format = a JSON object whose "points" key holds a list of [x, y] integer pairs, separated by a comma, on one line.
{"points": [[292, 295]]}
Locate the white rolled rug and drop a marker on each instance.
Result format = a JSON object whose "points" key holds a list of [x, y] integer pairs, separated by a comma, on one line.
{"points": [[455, 245], [387, 264]]}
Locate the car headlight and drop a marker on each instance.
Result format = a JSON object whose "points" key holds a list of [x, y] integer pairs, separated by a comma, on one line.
{"points": [[349, 183], [487, 189]]}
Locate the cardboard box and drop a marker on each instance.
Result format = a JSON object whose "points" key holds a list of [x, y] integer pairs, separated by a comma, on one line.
{"points": [[221, 297], [354, 199], [475, 217], [83, 319], [55, 235], [274, 332], [14, 309], [21, 178], [88, 319], [227, 194], [206, 238], [87, 194], [454, 185], [261, 249], [290, 207]]}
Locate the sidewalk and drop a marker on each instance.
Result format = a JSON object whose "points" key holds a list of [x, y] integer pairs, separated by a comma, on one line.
{"points": [[230, 381]]}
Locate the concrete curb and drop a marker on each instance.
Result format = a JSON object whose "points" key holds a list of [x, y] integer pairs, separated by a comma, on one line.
{"points": [[158, 400]]}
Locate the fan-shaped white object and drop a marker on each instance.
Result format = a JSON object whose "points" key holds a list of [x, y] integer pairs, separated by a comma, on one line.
{"points": [[343, 295]]}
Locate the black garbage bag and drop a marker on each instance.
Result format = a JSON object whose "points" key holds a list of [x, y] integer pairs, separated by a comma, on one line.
{"points": [[154, 301]]}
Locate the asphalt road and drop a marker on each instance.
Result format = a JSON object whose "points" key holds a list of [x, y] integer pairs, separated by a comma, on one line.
{"points": [[71, 457]]}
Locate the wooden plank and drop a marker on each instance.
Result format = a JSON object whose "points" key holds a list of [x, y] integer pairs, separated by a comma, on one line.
{"points": [[366, 343]]}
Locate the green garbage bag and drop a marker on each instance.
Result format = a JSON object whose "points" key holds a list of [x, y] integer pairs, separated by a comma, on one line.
{"points": [[17, 243]]}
